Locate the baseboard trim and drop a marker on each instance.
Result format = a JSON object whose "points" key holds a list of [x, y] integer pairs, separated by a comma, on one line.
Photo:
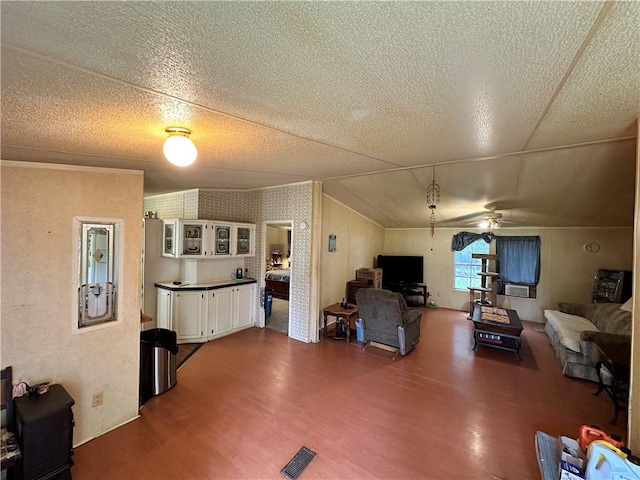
{"points": [[106, 431]]}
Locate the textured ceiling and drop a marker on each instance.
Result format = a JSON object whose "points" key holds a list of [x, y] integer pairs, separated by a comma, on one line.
{"points": [[519, 104]]}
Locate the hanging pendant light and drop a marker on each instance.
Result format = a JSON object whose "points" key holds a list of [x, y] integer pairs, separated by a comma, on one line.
{"points": [[433, 197], [178, 147], [433, 192]]}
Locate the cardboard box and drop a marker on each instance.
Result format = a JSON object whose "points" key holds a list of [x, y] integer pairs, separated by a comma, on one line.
{"points": [[569, 471], [373, 276], [570, 452]]}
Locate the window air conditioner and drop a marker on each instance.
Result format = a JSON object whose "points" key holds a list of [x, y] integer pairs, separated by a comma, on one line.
{"points": [[516, 290]]}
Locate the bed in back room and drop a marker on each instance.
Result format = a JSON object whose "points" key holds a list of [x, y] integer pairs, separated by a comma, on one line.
{"points": [[278, 281]]}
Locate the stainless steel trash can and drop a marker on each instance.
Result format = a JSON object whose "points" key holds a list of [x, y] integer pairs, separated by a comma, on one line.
{"points": [[158, 349]]}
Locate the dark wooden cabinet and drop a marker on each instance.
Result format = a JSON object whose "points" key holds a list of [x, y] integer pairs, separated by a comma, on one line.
{"points": [[352, 287], [611, 286], [44, 427]]}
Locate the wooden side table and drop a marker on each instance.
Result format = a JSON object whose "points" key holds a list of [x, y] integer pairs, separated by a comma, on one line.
{"points": [[347, 314]]}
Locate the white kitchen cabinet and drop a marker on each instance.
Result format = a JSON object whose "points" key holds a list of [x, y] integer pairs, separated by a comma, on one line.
{"points": [[231, 309], [188, 314], [220, 318], [163, 310], [243, 317], [220, 239], [184, 238], [244, 240], [169, 235], [207, 239], [192, 238], [204, 313]]}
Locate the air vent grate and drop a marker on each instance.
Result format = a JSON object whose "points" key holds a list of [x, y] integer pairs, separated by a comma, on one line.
{"points": [[516, 290], [298, 463]]}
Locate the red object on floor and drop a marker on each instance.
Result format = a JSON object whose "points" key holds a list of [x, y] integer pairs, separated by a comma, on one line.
{"points": [[590, 433]]}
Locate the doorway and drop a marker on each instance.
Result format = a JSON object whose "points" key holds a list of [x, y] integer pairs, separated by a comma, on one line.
{"points": [[278, 268]]}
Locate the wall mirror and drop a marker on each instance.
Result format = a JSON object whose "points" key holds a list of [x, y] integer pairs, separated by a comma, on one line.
{"points": [[97, 273]]}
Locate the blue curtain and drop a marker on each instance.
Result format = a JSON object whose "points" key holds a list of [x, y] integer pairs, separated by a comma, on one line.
{"points": [[518, 259]]}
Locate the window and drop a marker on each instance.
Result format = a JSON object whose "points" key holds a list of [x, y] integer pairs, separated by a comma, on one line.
{"points": [[466, 268]]}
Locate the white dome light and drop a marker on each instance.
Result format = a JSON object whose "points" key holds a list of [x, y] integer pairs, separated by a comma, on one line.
{"points": [[178, 148]]}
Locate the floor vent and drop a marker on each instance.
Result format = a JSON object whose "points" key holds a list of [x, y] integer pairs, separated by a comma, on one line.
{"points": [[298, 463]]}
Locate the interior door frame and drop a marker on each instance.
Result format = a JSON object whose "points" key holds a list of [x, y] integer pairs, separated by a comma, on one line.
{"points": [[263, 269]]}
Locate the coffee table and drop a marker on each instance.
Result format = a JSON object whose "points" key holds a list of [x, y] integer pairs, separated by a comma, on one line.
{"points": [[487, 330]]}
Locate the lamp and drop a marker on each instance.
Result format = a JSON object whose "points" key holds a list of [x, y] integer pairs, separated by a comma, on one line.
{"points": [[178, 148]]}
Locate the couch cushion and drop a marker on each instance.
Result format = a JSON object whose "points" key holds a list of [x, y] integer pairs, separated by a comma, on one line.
{"points": [[608, 317], [569, 327]]}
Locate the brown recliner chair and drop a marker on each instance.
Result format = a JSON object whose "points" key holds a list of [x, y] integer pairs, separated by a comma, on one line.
{"points": [[386, 319]]}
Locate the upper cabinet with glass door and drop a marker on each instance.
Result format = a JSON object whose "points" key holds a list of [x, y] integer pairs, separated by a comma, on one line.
{"points": [[244, 240], [191, 240], [184, 238], [169, 238], [207, 239], [220, 238]]}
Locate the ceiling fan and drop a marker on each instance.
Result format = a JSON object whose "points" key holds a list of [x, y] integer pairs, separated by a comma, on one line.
{"points": [[491, 220]]}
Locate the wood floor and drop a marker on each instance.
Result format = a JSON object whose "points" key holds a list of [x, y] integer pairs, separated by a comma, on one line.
{"points": [[246, 403]]}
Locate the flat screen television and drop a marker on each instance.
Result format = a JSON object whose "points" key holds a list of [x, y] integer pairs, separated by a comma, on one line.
{"points": [[398, 269]]}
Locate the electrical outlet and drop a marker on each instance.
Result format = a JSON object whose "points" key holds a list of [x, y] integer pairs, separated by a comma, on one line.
{"points": [[98, 398]]}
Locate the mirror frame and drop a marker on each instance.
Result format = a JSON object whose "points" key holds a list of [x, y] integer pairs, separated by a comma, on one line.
{"points": [[96, 302]]}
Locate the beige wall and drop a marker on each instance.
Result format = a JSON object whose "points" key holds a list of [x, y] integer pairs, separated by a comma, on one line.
{"points": [[358, 241], [634, 395], [39, 202], [566, 271]]}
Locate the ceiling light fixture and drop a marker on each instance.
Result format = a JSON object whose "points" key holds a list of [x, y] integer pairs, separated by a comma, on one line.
{"points": [[178, 147], [433, 197], [491, 221]]}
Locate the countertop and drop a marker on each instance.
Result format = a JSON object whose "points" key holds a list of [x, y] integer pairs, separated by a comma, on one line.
{"points": [[204, 286]]}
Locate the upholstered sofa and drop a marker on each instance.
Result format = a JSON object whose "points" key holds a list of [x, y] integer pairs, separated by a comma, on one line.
{"points": [[573, 328]]}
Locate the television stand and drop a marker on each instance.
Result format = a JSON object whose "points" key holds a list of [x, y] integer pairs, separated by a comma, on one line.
{"points": [[411, 290]]}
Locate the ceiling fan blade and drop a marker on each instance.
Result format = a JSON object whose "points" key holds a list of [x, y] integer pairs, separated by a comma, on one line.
{"points": [[463, 218]]}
